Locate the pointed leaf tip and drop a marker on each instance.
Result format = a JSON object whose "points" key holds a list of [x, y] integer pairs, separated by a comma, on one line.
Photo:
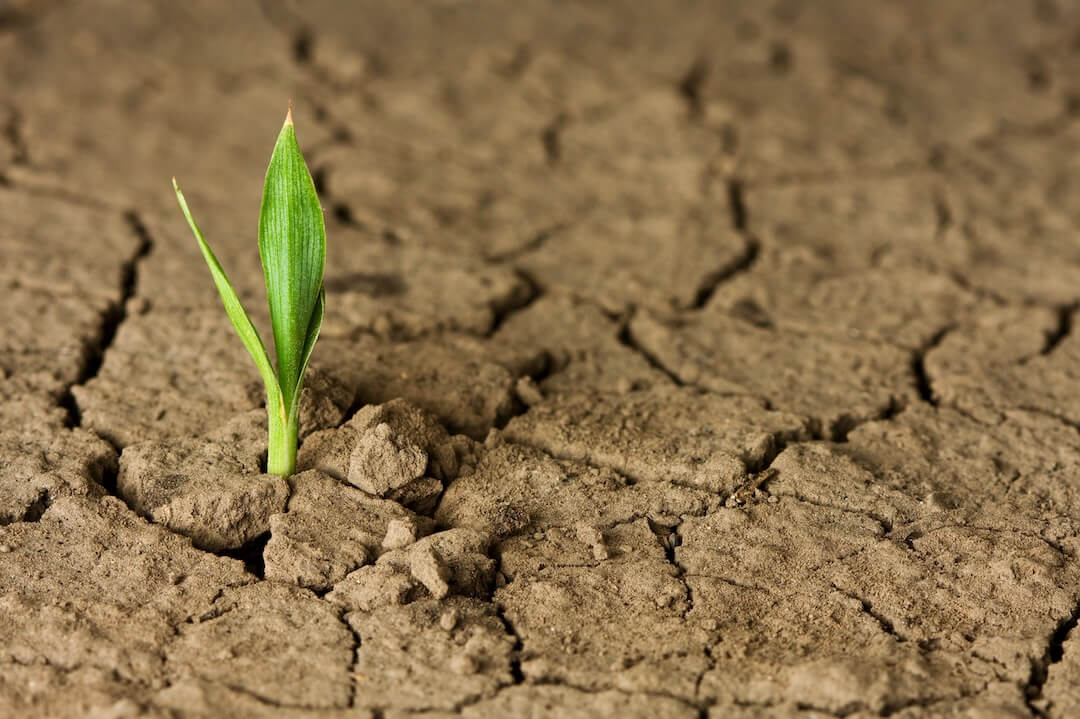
{"points": [[288, 114]]}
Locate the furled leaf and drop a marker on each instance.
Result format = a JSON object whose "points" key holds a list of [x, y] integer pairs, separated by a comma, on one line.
{"points": [[239, 318], [292, 243]]}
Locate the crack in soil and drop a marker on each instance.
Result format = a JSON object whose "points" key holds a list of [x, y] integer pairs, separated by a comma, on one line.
{"points": [[534, 243], [923, 382], [113, 318], [626, 338], [357, 641], [736, 200], [250, 553], [1061, 332], [514, 304], [1040, 668], [868, 609], [301, 44]]}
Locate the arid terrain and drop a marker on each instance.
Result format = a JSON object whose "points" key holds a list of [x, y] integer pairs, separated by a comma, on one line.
{"points": [[681, 359]]}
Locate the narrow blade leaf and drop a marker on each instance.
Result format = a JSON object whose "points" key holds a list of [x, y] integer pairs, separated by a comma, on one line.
{"points": [[292, 243], [237, 315]]}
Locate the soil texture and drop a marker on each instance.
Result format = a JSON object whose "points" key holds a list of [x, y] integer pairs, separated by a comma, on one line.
{"points": [[690, 359]]}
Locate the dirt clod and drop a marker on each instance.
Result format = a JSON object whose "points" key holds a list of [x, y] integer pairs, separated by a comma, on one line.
{"points": [[328, 529], [380, 463]]}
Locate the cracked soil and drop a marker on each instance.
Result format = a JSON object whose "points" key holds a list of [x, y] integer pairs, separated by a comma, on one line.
{"points": [[689, 359]]}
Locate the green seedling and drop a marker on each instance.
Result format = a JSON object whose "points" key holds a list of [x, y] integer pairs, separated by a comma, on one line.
{"points": [[292, 245]]}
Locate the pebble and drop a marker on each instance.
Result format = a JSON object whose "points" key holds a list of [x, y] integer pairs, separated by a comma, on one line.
{"points": [[448, 620]]}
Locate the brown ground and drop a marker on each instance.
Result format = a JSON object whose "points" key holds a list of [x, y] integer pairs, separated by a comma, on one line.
{"points": [[733, 342]]}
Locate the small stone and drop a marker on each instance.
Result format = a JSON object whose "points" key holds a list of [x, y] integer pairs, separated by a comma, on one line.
{"points": [[449, 620], [427, 568], [4, 548], [399, 533]]}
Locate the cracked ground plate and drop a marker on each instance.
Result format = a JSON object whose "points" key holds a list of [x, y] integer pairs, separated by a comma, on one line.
{"points": [[680, 360]]}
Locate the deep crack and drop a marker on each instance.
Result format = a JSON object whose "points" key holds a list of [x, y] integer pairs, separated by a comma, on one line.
{"points": [[110, 324], [1061, 332], [923, 383], [516, 673], [1040, 668], [251, 554], [626, 338]]}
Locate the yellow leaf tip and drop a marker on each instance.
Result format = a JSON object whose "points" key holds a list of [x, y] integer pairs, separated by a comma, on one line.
{"points": [[288, 114]]}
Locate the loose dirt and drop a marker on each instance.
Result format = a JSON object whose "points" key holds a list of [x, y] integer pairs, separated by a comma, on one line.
{"points": [[689, 359]]}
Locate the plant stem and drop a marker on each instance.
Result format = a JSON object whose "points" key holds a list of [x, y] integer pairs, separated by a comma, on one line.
{"points": [[281, 456]]}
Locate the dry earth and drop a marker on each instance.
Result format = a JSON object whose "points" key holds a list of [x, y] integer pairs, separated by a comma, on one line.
{"points": [[685, 359]]}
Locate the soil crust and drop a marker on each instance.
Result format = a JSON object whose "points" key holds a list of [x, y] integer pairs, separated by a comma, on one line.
{"points": [[681, 360]]}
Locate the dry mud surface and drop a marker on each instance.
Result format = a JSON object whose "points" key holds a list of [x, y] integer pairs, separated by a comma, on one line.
{"points": [[689, 359]]}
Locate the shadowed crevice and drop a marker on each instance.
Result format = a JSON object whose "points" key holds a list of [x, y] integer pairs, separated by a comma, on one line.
{"points": [[1061, 332], [110, 323], [923, 382], [251, 554], [1040, 668]]}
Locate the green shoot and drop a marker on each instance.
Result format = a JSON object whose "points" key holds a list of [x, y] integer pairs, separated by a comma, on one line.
{"points": [[292, 245]]}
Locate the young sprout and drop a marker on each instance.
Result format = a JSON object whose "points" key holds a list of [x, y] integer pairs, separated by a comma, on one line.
{"points": [[292, 244]]}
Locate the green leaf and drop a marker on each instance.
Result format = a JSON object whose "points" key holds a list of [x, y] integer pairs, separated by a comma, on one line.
{"points": [[239, 318], [292, 243], [309, 345]]}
